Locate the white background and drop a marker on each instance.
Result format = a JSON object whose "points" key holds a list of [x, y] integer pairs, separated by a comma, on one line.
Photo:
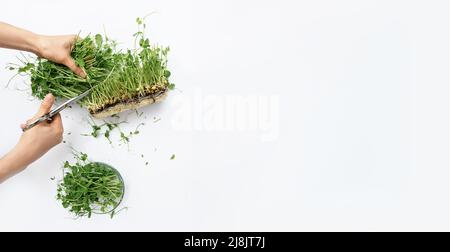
{"points": [[364, 128]]}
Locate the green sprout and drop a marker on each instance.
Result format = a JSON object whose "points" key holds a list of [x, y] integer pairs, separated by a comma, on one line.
{"points": [[107, 128]]}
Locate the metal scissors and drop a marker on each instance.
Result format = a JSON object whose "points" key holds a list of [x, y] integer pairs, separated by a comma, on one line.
{"points": [[48, 117]]}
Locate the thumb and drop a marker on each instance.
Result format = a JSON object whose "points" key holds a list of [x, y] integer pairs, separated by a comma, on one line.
{"points": [[70, 63], [46, 105]]}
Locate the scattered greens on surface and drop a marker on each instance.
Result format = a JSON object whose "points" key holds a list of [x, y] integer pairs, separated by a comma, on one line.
{"points": [[90, 188], [108, 127]]}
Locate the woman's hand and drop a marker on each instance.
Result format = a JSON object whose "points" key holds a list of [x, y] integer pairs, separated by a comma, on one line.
{"points": [[53, 48], [44, 136], [58, 49], [34, 142]]}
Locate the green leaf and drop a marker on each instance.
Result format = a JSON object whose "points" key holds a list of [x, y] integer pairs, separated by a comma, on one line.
{"points": [[144, 43], [66, 164], [83, 156], [26, 68], [99, 40]]}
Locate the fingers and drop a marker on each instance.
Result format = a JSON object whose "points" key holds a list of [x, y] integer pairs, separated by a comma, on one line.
{"points": [[70, 63], [58, 128], [57, 123], [24, 125], [46, 105], [73, 40]]}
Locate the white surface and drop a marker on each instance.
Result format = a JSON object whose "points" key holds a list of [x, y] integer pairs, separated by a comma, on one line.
{"points": [[363, 127]]}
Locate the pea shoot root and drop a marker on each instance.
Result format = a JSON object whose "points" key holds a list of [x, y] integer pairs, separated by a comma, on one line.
{"points": [[129, 104]]}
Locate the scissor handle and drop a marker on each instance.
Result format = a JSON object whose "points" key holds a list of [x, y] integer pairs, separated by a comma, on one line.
{"points": [[53, 112], [43, 118]]}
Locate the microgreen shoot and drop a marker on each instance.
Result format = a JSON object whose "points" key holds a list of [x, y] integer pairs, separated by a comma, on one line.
{"points": [[108, 128]]}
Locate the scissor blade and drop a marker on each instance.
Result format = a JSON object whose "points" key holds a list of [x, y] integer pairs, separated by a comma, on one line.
{"points": [[81, 96], [67, 103]]}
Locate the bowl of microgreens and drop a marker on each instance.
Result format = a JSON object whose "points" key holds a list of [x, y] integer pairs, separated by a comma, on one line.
{"points": [[90, 187]]}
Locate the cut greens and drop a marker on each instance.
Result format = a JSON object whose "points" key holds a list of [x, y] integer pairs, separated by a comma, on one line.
{"points": [[107, 127], [90, 187], [119, 80]]}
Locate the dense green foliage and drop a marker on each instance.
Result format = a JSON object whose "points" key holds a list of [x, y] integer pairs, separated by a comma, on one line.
{"points": [[89, 188], [114, 76]]}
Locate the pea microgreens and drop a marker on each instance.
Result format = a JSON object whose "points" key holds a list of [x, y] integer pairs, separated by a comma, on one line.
{"points": [[114, 76], [109, 127], [90, 187]]}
